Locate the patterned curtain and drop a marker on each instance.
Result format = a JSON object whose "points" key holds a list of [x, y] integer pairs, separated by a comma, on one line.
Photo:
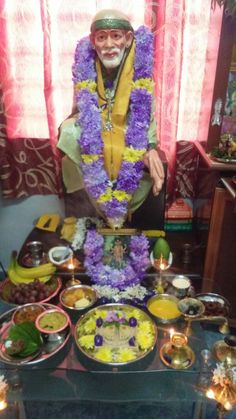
{"points": [[187, 42], [38, 38]]}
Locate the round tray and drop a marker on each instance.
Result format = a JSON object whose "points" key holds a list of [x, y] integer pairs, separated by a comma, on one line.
{"points": [[215, 304], [49, 348], [6, 286], [122, 340]]}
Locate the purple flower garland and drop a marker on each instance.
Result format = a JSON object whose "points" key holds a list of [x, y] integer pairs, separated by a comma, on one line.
{"points": [[97, 183], [102, 274]]}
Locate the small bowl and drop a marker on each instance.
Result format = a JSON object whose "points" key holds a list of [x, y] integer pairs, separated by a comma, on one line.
{"points": [[191, 307], [164, 308], [52, 321], [27, 312], [59, 255], [181, 284], [78, 297]]}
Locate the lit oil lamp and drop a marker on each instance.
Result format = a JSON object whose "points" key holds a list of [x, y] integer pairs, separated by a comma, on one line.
{"points": [[161, 265], [176, 353], [223, 388], [71, 267]]}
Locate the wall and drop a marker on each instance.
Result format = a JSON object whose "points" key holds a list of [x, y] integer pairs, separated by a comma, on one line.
{"points": [[17, 218]]}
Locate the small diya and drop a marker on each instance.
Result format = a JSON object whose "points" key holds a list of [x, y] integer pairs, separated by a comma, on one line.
{"points": [[176, 353]]}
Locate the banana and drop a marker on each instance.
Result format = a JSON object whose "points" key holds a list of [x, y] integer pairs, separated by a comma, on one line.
{"points": [[14, 276], [35, 272]]}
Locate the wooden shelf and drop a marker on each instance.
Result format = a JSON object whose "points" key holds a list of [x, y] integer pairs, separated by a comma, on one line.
{"points": [[213, 164]]}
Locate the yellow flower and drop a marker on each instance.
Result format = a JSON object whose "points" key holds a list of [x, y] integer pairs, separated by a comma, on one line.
{"points": [[87, 341], [89, 158], [145, 327], [135, 313], [100, 313], [132, 155], [144, 341], [144, 83], [121, 196], [86, 84], [104, 354], [107, 196], [90, 325], [125, 354]]}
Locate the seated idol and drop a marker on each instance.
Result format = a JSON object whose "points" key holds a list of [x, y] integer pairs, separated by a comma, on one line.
{"points": [[110, 163]]}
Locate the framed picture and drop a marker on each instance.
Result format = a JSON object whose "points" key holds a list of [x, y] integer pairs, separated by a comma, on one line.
{"points": [[116, 250]]}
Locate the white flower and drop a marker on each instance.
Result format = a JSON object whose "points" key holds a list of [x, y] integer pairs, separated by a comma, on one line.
{"points": [[80, 232], [222, 372], [136, 291]]}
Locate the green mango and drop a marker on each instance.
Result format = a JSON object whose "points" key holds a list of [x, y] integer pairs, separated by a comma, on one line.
{"points": [[161, 247]]}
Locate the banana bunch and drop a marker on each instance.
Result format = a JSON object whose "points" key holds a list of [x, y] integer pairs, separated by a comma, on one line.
{"points": [[18, 274]]}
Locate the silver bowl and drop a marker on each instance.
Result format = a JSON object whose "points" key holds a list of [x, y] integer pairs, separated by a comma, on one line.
{"points": [[172, 301], [116, 325], [87, 293]]}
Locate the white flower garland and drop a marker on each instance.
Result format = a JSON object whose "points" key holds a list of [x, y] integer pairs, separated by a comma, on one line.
{"points": [[136, 291], [80, 232]]}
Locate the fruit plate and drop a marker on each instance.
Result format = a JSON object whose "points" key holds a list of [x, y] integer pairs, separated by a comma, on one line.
{"points": [[115, 334], [7, 287], [49, 348], [215, 304]]}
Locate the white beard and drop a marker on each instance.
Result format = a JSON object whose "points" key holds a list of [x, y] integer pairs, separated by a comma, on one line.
{"points": [[112, 62]]}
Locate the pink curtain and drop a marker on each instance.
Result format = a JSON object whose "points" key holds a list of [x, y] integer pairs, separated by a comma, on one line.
{"points": [[38, 38], [187, 41]]}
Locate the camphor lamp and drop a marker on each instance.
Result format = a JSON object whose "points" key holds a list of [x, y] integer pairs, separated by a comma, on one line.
{"points": [[3, 393], [223, 388]]}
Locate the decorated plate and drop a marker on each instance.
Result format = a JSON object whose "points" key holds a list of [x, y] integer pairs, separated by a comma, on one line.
{"points": [[49, 347], [115, 334]]}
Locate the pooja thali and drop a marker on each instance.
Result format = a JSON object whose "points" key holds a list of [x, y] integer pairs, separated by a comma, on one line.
{"points": [[48, 347], [115, 334]]}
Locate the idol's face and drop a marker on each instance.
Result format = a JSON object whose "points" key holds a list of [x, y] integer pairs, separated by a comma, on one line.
{"points": [[110, 45]]}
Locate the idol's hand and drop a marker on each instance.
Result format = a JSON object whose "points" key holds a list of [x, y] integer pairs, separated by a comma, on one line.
{"points": [[153, 163]]}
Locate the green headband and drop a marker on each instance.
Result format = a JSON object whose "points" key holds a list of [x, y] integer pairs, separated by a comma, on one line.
{"points": [[110, 23]]}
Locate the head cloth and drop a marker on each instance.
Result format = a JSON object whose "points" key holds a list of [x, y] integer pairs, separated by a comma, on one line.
{"points": [[110, 19]]}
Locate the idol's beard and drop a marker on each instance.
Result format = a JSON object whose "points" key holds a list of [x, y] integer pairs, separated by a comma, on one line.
{"points": [[112, 62]]}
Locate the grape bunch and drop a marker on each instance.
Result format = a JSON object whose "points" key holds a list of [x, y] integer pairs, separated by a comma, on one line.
{"points": [[30, 293]]}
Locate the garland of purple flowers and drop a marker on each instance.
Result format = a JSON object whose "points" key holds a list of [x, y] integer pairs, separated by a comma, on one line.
{"points": [[112, 197], [102, 274]]}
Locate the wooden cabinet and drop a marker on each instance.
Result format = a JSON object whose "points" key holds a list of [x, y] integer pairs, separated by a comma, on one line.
{"points": [[220, 261]]}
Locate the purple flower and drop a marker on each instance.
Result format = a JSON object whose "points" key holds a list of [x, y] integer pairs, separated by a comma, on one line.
{"points": [[89, 119], [133, 322], [112, 317], [99, 322], [102, 274], [98, 340]]}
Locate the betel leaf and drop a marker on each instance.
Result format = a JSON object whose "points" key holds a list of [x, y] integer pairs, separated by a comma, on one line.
{"points": [[27, 333]]}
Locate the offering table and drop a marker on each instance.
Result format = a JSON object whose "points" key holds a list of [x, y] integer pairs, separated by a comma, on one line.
{"points": [[70, 376]]}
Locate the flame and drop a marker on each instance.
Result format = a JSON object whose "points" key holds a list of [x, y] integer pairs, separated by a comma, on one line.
{"points": [[210, 394], [3, 404]]}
